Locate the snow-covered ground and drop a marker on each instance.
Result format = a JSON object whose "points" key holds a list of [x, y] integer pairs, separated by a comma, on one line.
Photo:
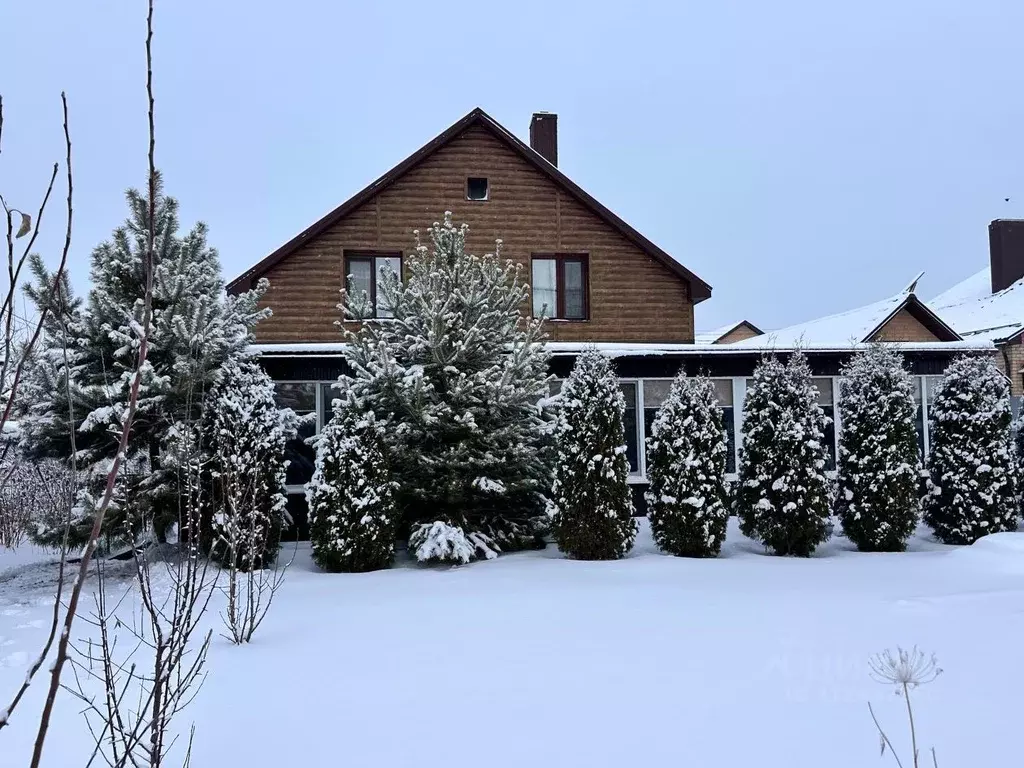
{"points": [[532, 660]]}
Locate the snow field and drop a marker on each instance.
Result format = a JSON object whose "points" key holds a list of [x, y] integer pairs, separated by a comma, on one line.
{"points": [[743, 660]]}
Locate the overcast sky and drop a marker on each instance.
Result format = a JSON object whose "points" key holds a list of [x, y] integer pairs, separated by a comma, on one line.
{"points": [[803, 157]]}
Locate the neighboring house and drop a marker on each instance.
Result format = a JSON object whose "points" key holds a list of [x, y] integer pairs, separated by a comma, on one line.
{"points": [[989, 305], [605, 284], [728, 334]]}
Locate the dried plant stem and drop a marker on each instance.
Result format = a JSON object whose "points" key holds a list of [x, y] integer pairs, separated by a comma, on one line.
{"points": [[129, 418]]}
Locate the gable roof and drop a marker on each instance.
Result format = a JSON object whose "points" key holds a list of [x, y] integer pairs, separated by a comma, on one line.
{"points": [[853, 327], [976, 312], [710, 337], [699, 290]]}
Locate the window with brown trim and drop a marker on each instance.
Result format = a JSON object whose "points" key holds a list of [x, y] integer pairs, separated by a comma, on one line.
{"points": [[559, 285], [362, 273]]}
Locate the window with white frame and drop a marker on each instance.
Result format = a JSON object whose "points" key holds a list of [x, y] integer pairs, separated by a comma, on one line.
{"points": [[655, 392]]}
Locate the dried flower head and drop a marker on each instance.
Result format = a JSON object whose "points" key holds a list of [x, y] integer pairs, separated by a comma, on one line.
{"points": [[904, 669]]}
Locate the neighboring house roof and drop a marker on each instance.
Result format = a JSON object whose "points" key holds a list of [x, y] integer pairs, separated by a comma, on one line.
{"points": [[854, 327], [710, 337], [699, 290], [977, 313]]}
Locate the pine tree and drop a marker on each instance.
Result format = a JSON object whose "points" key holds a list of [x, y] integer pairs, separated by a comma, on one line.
{"points": [[455, 375], [879, 460], [973, 480], [193, 331], [241, 452], [593, 515], [783, 495], [351, 504], [686, 457]]}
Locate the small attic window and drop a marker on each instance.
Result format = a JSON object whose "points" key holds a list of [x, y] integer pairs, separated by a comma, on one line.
{"points": [[476, 188]]}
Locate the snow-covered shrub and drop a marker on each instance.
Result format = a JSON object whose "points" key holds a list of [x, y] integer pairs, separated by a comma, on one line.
{"points": [[783, 497], [439, 542], [352, 513], [593, 508], [878, 499], [242, 443], [686, 455], [455, 374], [974, 489]]}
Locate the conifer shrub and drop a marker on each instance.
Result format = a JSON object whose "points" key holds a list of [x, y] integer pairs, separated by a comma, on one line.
{"points": [[593, 508], [973, 478], [783, 497], [686, 458], [878, 499]]}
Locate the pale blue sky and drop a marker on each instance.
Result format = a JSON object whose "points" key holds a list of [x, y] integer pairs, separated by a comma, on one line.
{"points": [[801, 156]]}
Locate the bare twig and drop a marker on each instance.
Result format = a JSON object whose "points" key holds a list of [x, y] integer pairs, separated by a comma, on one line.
{"points": [[885, 739], [129, 417], [37, 664]]}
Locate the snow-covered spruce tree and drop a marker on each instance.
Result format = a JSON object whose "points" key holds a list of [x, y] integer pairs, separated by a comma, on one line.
{"points": [[879, 461], [973, 479], [593, 508], [783, 497], [241, 445], [455, 373], [194, 330], [352, 513], [686, 455]]}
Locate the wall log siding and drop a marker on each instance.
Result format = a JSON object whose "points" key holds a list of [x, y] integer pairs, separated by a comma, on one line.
{"points": [[739, 333], [903, 326], [633, 298]]}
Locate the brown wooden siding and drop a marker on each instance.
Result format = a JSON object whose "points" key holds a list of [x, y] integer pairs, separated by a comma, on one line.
{"points": [[632, 297], [1010, 359], [903, 326], [739, 333]]}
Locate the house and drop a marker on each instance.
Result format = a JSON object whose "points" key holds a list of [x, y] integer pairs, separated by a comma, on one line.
{"points": [[989, 305], [610, 287]]}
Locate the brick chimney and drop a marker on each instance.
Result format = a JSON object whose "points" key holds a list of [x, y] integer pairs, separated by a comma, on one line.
{"points": [[544, 135], [1006, 252]]}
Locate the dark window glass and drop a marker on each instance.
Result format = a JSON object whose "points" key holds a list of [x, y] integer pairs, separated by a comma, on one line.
{"points": [[919, 424], [299, 454], [300, 397], [629, 422], [575, 308], [476, 188], [830, 437], [730, 438], [328, 394]]}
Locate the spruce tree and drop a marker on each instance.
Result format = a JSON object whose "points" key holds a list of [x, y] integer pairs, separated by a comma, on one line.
{"points": [[351, 505], [686, 456], [879, 460], [974, 489], [593, 508], [193, 331], [455, 374], [241, 450], [783, 495]]}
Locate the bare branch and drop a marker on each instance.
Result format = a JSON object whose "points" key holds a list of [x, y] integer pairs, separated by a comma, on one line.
{"points": [[129, 418]]}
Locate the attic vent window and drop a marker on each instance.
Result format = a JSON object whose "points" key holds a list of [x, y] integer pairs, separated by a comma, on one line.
{"points": [[476, 188]]}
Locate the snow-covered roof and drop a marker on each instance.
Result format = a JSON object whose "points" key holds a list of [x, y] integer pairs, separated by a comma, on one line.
{"points": [[975, 312], [845, 329]]}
